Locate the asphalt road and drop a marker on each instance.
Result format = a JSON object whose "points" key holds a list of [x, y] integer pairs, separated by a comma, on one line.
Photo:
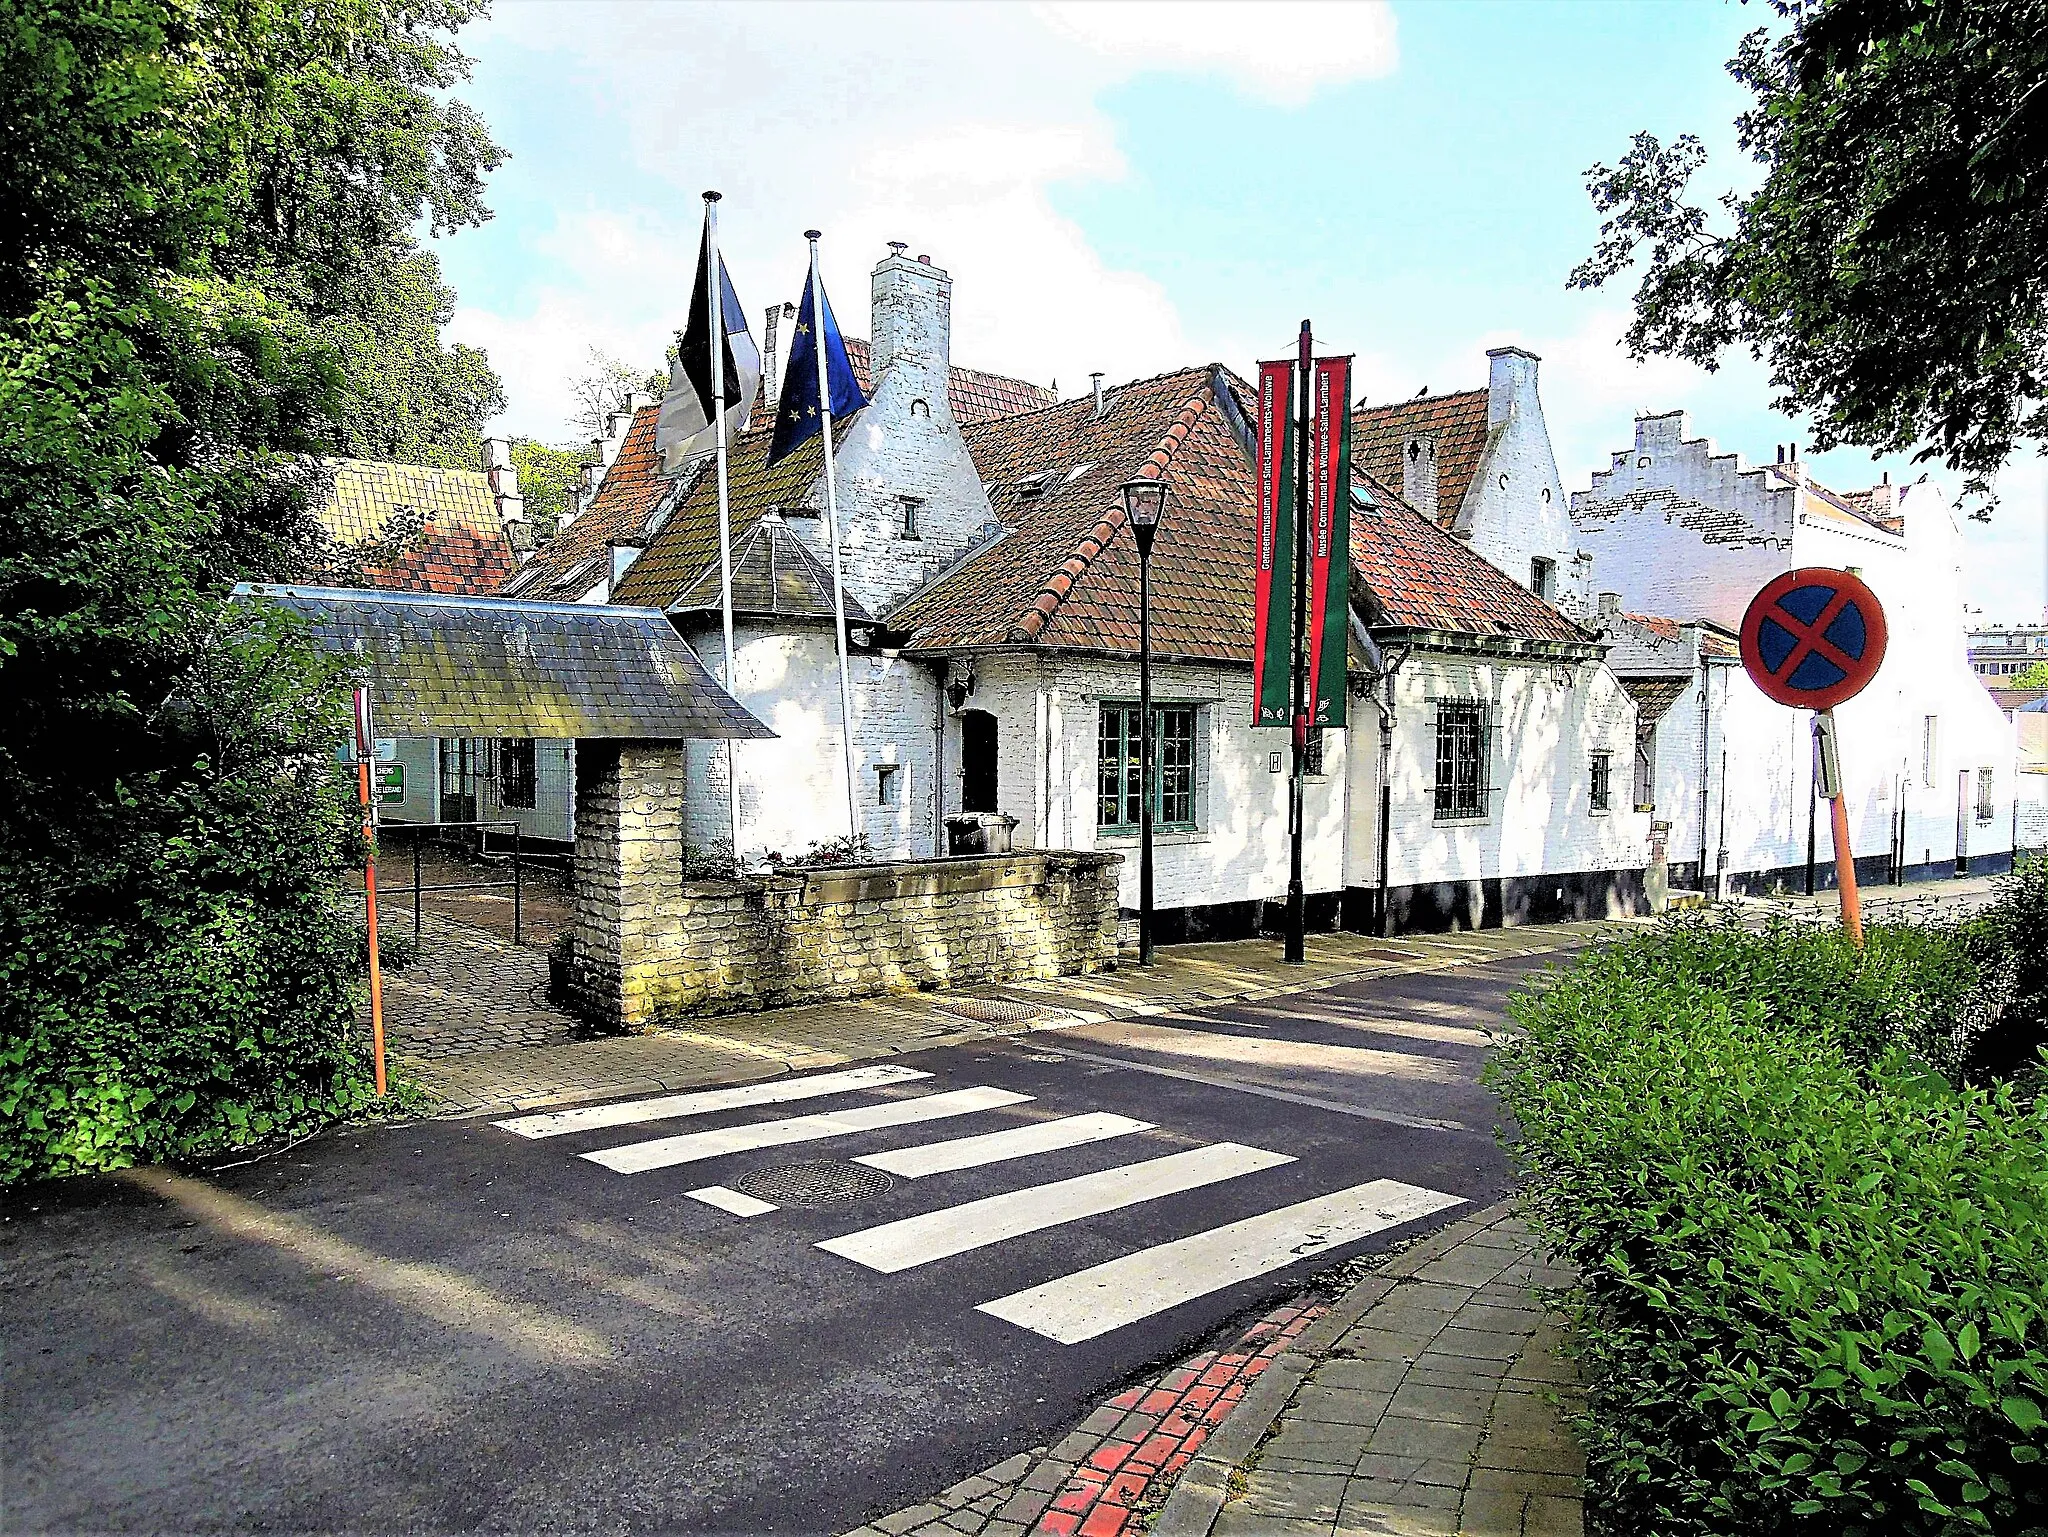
{"points": [[452, 1327]]}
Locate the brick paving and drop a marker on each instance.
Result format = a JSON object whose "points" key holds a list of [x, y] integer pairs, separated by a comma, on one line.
{"points": [[1106, 1476], [1435, 1405], [470, 1023]]}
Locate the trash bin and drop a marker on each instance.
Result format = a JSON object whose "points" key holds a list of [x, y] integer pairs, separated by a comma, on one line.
{"points": [[979, 832]]}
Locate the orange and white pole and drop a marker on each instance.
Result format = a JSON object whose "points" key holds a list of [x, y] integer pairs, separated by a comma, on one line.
{"points": [[366, 751], [1828, 761]]}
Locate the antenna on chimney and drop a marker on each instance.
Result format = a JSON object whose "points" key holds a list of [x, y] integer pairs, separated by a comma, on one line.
{"points": [[898, 247]]}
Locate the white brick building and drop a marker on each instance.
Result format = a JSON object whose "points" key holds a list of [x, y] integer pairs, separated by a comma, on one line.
{"points": [[1682, 538], [992, 594]]}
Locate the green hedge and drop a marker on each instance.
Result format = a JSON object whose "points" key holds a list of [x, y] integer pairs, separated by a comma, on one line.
{"points": [[1814, 1291]]}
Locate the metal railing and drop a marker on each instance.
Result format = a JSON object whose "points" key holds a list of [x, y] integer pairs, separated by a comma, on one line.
{"points": [[421, 833]]}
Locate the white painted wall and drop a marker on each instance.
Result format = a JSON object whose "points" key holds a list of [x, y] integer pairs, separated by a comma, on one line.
{"points": [[792, 789], [1049, 714], [905, 444], [1539, 819], [1682, 531], [1514, 509]]}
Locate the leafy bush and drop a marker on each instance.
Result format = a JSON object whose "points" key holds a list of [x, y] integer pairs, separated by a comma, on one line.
{"points": [[2010, 937], [176, 979], [1814, 1273]]}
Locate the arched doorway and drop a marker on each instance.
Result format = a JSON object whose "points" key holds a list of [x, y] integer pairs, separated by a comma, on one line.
{"points": [[977, 761]]}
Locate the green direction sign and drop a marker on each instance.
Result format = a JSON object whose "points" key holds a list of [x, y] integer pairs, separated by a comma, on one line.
{"points": [[390, 783]]}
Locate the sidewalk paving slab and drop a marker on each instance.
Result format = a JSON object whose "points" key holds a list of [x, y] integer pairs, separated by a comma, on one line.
{"points": [[470, 1024], [1432, 1399]]}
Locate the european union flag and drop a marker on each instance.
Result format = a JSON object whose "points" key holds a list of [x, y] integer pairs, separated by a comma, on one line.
{"points": [[797, 415]]}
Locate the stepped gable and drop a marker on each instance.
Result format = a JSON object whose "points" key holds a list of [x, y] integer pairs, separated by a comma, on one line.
{"points": [[1064, 571], [461, 549], [975, 396], [1380, 436], [1408, 574]]}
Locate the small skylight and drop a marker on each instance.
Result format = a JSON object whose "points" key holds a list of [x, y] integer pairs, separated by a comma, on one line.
{"points": [[1031, 487], [1077, 472]]}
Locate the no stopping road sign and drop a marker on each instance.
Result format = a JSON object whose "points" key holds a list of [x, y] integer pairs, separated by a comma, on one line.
{"points": [[1813, 637]]}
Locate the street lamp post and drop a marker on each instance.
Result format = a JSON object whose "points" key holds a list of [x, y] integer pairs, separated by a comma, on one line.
{"points": [[1145, 505]]}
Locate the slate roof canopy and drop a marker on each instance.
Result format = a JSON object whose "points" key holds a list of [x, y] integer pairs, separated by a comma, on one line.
{"points": [[461, 666]]}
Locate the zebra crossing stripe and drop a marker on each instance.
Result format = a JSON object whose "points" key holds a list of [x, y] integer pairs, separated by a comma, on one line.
{"points": [[670, 1106], [1103, 1297], [738, 1202], [935, 1235], [997, 1146], [663, 1152]]}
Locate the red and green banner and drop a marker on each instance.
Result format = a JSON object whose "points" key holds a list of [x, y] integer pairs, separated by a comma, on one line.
{"points": [[1329, 540], [1272, 704]]}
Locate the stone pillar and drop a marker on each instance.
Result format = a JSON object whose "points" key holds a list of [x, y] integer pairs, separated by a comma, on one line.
{"points": [[629, 878]]}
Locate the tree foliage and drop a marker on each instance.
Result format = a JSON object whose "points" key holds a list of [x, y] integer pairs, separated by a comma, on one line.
{"points": [[606, 386], [199, 196], [546, 477], [1891, 269]]}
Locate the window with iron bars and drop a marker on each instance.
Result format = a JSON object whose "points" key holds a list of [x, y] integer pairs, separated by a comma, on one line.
{"points": [[1603, 780], [1462, 790], [1983, 795], [516, 773], [1119, 773]]}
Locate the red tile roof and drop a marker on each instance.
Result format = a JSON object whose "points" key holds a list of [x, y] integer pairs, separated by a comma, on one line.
{"points": [[1409, 574], [1380, 436], [458, 545], [630, 491], [975, 396], [1657, 624], [1065, 575]]}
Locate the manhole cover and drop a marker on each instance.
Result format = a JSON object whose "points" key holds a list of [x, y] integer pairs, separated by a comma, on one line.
{"points": [[994, 1011], [817, 1184]]}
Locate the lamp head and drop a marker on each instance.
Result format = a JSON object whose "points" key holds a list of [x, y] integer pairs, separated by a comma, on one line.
{"points": [[1145, 506]]}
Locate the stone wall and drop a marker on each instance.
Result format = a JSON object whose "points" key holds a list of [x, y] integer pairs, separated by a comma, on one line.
{"points": [[649, 945]]}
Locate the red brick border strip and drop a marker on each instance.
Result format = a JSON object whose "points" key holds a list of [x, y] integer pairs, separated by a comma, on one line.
{"points": [[1162, 1425]]}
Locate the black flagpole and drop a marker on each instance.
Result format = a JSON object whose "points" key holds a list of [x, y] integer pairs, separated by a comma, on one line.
{"points": [[1296, 951]]}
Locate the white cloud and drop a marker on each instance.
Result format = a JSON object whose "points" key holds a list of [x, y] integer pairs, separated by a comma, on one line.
{"points": [[1282, 51], [948, 127]]}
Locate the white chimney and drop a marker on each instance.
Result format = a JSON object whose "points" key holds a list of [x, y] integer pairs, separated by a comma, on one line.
{"points": [[1510, 383], [1095, 380], [1610, 604], [913, 323]]}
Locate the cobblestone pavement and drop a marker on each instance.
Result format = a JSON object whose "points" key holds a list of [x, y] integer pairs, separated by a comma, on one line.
{"points": [[469, 1022], [1112, 1471], [1916, 903], [1431, 1400]]}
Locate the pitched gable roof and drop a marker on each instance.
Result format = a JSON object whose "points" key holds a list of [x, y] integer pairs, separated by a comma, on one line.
{"points": [[686, 543], [1408, 574], [571, 563], [460, 547], [1380, 436], [1066, 573]]}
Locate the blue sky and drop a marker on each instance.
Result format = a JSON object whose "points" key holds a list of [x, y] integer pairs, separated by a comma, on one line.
{"points": [[1127, 187]]}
